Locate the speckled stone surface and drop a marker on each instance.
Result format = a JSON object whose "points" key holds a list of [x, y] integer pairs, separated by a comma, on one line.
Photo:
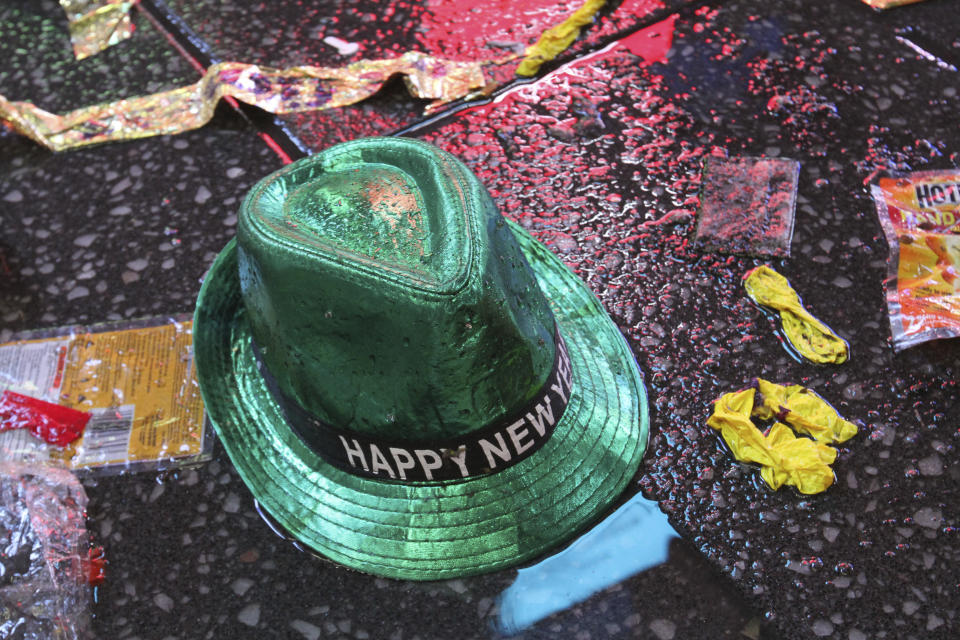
{"points": [[876, 555], [601, 162], [39, 65]]}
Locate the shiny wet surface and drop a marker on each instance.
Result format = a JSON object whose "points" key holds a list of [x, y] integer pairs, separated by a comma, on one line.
{"points": [[601, 161]]}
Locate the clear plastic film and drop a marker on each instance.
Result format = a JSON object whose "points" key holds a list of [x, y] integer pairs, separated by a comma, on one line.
{"points": [[45, 592], [747, 206]]}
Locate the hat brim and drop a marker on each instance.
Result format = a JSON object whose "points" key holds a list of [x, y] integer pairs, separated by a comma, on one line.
{"points": [[432, 531]]}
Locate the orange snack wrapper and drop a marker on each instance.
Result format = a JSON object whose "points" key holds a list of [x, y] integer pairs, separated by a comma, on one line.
{"points": [[920, 215]]}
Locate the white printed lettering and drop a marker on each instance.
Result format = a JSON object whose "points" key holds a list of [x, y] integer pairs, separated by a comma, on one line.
{"points": [[403, 460], [460, 460], [542, 414], [354, 452], [502, 451], [378, 462], [435, 461], [517, 433], [558, 388]]}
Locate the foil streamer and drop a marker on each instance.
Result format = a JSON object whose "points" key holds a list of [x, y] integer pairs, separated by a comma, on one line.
{"points": [[554, 40], [278, 91], [97, 24]]}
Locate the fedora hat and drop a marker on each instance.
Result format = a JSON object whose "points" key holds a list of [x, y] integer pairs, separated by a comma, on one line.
{"points": [[407, 382]]}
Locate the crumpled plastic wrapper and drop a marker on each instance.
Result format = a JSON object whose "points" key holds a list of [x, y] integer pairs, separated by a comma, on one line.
{"points": [[783, 457], [811, 338], [279, 91], [97, 24], [554, 41], [747, 205], [44, 589]]}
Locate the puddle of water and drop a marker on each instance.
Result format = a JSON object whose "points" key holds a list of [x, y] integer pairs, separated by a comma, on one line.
{"points": [[634, 538]]}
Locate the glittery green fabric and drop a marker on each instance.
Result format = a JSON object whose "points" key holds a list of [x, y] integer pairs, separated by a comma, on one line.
{"points": [[428, 531]]}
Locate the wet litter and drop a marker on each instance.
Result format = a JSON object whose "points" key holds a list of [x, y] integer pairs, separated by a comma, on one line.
{"points": [[47, 563], [811, 338], [601, 159], [783, 457], [747, 205], [920, 216], [107, 399]]}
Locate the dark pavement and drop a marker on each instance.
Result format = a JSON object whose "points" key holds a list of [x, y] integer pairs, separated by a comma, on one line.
{"points": [[590, 156]]}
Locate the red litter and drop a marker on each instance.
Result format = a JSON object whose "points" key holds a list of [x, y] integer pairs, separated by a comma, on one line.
{"points": [[54, 423]]}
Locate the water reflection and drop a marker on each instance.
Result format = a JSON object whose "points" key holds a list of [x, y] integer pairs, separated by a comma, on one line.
{"points": [[632, 539]]}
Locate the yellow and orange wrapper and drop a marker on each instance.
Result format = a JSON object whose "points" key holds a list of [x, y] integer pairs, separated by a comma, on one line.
{"points": [[784, 458], [920, 216]]}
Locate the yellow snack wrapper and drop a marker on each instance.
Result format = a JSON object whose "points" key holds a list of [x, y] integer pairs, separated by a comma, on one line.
{"points": [[554, 40], [783, 457], [811, 338], [278, 91], [97, 24]]}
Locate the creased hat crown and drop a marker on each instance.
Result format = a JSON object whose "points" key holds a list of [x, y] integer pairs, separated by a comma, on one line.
{"points": [[386, 295]]}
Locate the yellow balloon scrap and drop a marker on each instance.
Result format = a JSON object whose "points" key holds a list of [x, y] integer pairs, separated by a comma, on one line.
{"points": [[305, 88], [803, 410], [783, 457], [811, 338], [554, 40], [97, 24]]}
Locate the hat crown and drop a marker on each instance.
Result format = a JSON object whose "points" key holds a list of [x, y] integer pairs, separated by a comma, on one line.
{"points": [[386, 295], [373, 210]]}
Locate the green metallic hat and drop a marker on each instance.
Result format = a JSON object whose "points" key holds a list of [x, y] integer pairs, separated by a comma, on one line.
{"points": [[408, 383]]}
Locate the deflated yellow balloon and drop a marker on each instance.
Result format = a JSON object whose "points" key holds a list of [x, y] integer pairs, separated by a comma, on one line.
{"points": [[811, 338], [783, 457], [803, 410]]}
